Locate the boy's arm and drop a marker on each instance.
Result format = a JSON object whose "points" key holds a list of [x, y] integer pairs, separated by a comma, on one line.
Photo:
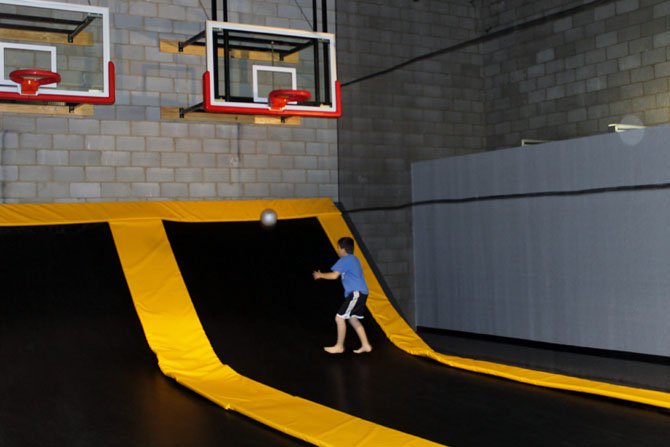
{"points": [[328, 275]]}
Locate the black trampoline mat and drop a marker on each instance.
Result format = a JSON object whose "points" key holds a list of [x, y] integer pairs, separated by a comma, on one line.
{"points": [[76, 369], [267, 318]]}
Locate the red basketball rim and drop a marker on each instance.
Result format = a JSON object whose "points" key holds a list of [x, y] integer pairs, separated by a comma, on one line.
{"points": [[279, 98], [31, 79]]}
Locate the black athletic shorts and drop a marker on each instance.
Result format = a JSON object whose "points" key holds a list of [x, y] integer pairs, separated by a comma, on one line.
{"points": [[353, 306]]}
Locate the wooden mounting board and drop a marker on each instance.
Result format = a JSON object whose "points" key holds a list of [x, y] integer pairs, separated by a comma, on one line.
{"points": [[84, 39], [80, 110]]}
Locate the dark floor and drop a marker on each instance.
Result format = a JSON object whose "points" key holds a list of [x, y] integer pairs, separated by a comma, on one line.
{"points": [[77, 371], [268, 319], [629, 369]]}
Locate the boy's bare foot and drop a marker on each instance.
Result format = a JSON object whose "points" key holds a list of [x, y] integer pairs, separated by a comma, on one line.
{"points": [[334, 349], [363, 349]]}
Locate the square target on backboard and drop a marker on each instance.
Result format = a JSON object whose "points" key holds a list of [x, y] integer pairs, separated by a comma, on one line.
{"points": [[270, 71], [55, 52]]}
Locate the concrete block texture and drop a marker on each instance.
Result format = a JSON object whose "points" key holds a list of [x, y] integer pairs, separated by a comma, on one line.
{"points": [[404, 115], [562, 78], [620, 52], [126, 151]]}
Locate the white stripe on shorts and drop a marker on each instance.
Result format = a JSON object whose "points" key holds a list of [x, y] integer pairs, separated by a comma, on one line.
{"points": [[352, 304]]}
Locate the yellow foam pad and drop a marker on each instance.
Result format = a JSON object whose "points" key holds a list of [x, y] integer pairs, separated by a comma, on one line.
{"points": [[174, 332], [404, 337]]}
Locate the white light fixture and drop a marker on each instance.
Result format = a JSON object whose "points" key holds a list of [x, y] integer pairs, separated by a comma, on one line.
{"points": [[620, 127]]}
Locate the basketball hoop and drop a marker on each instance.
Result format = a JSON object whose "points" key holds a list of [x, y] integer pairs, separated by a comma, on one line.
{"points": [[278, 99], [31, 79]]}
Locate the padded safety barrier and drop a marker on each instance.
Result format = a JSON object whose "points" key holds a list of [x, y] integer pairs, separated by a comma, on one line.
{"points": [[174, 332], [404, 337], [227, 211], [184, 353]]}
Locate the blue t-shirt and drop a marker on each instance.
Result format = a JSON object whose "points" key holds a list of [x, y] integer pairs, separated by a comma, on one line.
{"points": [[351, 274]]}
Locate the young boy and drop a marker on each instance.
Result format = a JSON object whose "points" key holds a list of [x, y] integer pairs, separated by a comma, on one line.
{"points": [[348, 267]]}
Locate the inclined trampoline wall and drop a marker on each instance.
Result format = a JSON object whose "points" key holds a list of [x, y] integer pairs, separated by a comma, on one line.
{"points": [[567, 242]]}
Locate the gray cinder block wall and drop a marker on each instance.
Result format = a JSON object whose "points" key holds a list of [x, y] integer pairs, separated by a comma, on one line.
{"points": [[127, 152], [558, 80], [561, 79], [573, 76], [429, 109]]}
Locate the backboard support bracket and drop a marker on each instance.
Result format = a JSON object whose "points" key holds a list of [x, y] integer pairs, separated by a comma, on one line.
{"points": [[68, 28], [288, 59], [198, 115], [231, 85]]}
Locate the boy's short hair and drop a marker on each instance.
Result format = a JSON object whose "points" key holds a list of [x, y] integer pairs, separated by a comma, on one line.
{"points": [[347, 244]]}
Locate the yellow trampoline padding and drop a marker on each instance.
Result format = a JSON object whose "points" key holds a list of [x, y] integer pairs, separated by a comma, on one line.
{"points": [[175, 334], [404, 337], [204, 211], [394, 326]]}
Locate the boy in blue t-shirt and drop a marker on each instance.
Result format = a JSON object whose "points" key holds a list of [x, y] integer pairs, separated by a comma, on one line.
{"points": [[348, 267]]}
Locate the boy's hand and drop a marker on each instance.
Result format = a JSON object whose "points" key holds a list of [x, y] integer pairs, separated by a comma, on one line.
{"points": [[328, 275]]}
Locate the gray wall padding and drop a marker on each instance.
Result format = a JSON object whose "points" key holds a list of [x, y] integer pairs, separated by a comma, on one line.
{"points": [[589, 270]]}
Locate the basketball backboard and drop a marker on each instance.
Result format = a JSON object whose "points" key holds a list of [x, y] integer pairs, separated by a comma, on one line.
{"points": [[69, 40], [248, 64]]}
